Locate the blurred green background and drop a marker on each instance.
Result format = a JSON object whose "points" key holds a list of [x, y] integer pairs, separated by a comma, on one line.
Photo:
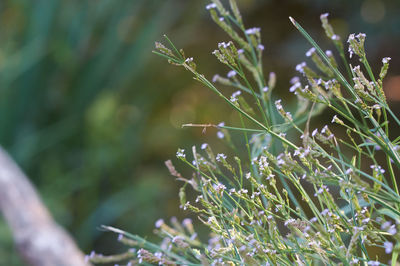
{"points": [[91, 114]]}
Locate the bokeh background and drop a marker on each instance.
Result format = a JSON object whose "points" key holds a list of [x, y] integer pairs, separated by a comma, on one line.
{"points": [[90, 114]]}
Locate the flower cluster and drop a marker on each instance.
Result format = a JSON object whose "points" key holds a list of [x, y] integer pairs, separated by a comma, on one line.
{"points": [[299, 195]]}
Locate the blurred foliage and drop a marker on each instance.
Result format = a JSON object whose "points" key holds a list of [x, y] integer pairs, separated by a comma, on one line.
{"points": [[91, 115]]}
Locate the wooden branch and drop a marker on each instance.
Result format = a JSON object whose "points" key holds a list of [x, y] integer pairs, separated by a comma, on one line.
{"points": [[39, 239]]}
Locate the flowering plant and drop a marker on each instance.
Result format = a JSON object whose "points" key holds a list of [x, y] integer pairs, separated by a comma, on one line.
{"points": [[300, 195]]}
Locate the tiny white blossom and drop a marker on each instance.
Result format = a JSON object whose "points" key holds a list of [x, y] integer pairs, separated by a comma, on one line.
{"points": [[233, 99], [231, 74], [300, 67], [388, 247], [349, 171], [294, 80], [278, 104], [215, 78], [248, 175], [328, 53], [159, 223], [335, 37], [295, 86], [219, 187], [211, 6], [260, 47], [386, 60], [204, 146], [314, 132], [236, 93], [366, 220], [325, 15], [252, 31], [361, 36], [180, 153], [220, 157], [310, 52]]}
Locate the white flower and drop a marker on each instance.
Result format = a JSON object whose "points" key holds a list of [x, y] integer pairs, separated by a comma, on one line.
{"points": [[325, 212], [295, 86], [236, 93], [215, 78], [325, 15], [159, 223], [220, 157], [386, 60], [378, 169], [187, 222], [366, 220], [294, 80], [252, 31], [263, 163], [219, 187], [180, 153], [334, 118], [231, 74], [310, 52], [361, 36], [204, 146], [351, 38], [314, 132], [223, 45], [260, 47], [278, 104], [328, 53], [211, 6], [300, 67], [388, 247], [220, 135], [265, 89], [335, 37], [349, 171]]}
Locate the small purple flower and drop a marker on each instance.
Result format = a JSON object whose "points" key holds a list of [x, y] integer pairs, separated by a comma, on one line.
{"points": [[159, 223], [328, 53], [386, 60], [252, 31], [388, 247], [215, 78], [325, 15], [310, 52], [231, 74]]}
